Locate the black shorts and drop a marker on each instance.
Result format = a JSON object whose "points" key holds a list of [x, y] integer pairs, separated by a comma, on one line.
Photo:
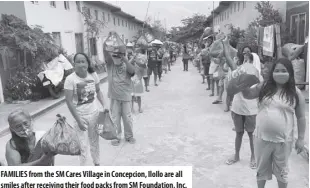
{"points": [[243, 122], [153, 69], [206, 68]]}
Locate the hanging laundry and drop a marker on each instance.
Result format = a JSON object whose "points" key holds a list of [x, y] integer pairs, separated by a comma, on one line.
{"points": [[268, 41]]}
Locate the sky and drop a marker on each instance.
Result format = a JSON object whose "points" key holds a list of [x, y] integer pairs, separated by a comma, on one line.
{"points": [[172, 11]]}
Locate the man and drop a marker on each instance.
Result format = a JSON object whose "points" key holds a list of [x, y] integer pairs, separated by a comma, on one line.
{"points": [[120, 71], [160, 54], [152, 65]]}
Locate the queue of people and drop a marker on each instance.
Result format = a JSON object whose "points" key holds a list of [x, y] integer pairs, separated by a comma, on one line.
{"points": [[265, 111], [126, 69]]}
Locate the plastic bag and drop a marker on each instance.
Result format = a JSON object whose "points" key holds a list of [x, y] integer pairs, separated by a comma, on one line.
{"points": [[292, 51], [106, 128], [241, 82], [61, 139], [299, 71], [217, 50]]}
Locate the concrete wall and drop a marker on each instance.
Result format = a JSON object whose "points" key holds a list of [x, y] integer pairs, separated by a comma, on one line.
{"points": [[245, 15], [13, 7], [67, 22]]}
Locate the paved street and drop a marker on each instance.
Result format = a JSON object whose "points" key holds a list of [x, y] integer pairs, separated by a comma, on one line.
{"points": [[180, 126]]}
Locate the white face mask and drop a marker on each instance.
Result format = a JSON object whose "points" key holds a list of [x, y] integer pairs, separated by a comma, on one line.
{"points": [[281, 77]]}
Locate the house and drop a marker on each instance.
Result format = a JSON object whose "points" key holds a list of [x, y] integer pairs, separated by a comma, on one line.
{"points": [[126, 25], [64, 20], [297, 13], [239, 14]]}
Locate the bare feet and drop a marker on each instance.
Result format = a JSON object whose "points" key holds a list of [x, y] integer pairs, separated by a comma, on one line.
{"points": [[140, 111]]}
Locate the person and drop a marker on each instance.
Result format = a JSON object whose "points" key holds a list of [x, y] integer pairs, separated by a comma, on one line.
{"points": [[140, 69], [220, 79], [152, 65], [185, 59], [205, 61], [160, 54], [81, 88], [120, 72], [24, 148], [243, 111], [165, 62], [279, 100]]}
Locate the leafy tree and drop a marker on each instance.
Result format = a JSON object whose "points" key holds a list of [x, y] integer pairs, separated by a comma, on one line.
{"points": [[191, 30], [32, 47], [93, 27]]}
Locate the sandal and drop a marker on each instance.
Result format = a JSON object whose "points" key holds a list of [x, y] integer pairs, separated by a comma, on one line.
{"points": [[116, 142], [217, 102], [131, 140], [211, 95], [231, 161], [253, 165]]}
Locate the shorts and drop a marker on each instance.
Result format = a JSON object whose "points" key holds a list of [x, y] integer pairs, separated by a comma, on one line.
{"points": [[151, 70], [272, 158], [206, 68], [242, 122]]}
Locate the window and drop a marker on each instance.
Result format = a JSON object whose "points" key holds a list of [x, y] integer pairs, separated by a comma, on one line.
{"points": [[114, 20], [235, 6], [66, 4], [123, 23], [53, 4], [93, 46], [298, 27], [119, 24], [238, 5], [244, 4], [126, 23], [57, 38], [96, 14], [231, 9], [35, 2], [78, 6], [109, 18]]}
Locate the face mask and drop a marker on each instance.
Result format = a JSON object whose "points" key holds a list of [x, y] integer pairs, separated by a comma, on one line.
{"points": [[25, 133], [281, 78]]}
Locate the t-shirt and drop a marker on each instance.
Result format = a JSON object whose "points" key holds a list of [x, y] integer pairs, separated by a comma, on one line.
{"points": [[205, 57], [240, 105], [84, 92], [119, 80], [152, 58]]}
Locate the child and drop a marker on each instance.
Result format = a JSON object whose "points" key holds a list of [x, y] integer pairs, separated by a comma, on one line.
{"points": [[140, 66]]}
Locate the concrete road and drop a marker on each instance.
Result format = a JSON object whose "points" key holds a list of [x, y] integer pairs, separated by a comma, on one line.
{"points": [[181, 126]]}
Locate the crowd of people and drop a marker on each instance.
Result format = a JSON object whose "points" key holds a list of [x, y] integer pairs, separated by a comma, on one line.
{"points": [[265, 111]]}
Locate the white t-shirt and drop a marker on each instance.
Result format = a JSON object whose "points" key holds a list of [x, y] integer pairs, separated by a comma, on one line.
{"points": [[84, 92], [240, 105]]}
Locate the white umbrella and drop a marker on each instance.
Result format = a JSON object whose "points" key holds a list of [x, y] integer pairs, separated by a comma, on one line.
{"points": [[156, 41], [129, 44]]}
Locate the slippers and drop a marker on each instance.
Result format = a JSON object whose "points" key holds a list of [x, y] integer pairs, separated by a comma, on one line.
{"points": [[231, 161], [253, 165], [217, 102]]}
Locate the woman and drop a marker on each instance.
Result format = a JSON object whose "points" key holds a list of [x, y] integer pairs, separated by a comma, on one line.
{"points": [[185, 59], [279, 100], [140, 66], [243, 111], [24, 148], [80, 90]]}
